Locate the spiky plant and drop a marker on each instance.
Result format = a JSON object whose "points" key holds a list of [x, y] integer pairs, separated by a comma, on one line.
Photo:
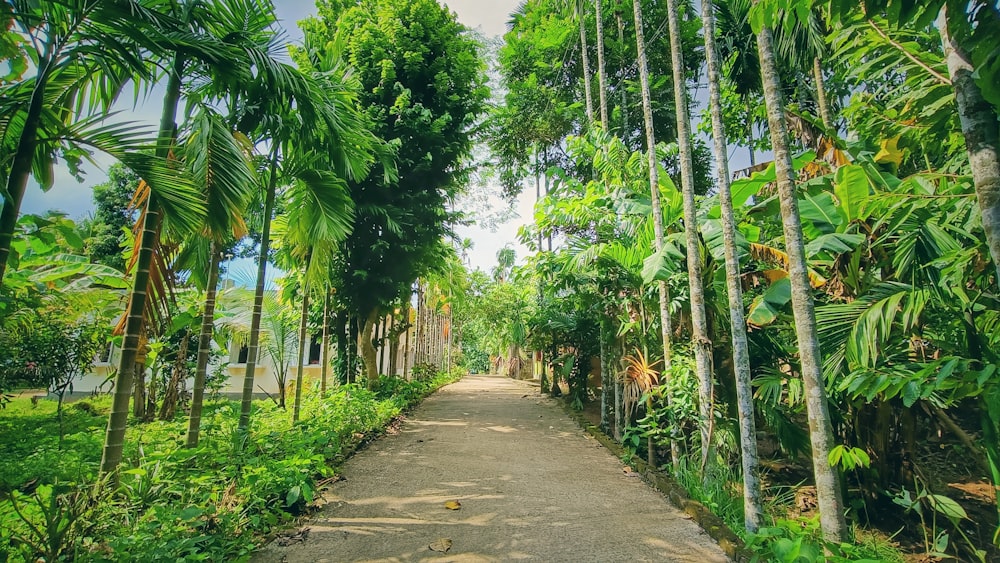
{"points": [[638, 378]]}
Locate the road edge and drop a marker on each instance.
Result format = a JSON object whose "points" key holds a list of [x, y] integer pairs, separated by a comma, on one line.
{"points": [[714, 526]]}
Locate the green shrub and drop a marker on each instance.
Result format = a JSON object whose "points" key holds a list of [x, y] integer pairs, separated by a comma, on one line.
{"points": [[211, 503]]}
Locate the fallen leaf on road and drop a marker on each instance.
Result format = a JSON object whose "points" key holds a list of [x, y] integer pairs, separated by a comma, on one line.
{"points": [[442, 545], [296, 537], [453, 505]]}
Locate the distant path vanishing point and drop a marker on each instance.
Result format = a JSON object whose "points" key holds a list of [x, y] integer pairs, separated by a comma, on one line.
{"points": [[531, 484]]}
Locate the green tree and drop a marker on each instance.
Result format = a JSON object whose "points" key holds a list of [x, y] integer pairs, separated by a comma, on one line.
{"points": [[422, 88], [112, 216], [752, 508], [701, 339], [225, 44], [828, 490], [654, 190], [83, 52]]}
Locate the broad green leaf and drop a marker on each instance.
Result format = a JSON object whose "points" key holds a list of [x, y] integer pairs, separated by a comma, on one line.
{"points": [[761, 313], [821, 211], [944, 505], [293, 495], [835, 243], [852, 189], [780, 292], [660, 265]]}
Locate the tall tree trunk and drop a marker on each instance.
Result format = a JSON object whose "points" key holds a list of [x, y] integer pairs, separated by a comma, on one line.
{"points": [[619, 400], [540, 354], [139, 392], [114, 439], [204, 348], [752, 508], [821, 100], [24, 157], [377, 341], [394, 355], [342, 349], [701, 339], [368, 349], [581, 15], [171, 394], [828, 491], [607, 378], [654, 191], [302, 356], [253, 347], [602, 78], [352, 341], [418, 329], [325, 368], [406, 342], [624, 91], [982, 135]]}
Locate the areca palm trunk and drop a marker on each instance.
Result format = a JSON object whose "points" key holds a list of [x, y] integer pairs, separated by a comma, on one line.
{"points": [[607, 377], [828, 491], [822, 102], [303, 333], [982, 135], [17, 181], [654, 192], [368, 348], [702, 342], [602, 78], [325, 369], [204, 348], [114, 440], [253, 347], [585, 58], [752, 509]]}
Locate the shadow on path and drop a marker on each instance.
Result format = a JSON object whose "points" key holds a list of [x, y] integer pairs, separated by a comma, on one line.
{"points": [[531, 484]]}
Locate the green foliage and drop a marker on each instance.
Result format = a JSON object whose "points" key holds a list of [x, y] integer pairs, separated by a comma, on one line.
{"points": [[796, 541], [208, 503], [422, 88], [111, 217]]}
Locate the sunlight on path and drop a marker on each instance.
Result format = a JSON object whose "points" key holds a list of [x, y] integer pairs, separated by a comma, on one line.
{"points": [[531, 484]]}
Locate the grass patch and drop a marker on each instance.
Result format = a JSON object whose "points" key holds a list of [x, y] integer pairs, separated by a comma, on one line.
{"points": [[171, 503]]}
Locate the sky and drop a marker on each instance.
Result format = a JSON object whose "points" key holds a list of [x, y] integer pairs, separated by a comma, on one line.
{"points": [[74, 197]]}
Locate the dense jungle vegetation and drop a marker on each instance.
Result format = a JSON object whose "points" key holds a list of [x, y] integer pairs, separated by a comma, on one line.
{"points": [[806, 343]]}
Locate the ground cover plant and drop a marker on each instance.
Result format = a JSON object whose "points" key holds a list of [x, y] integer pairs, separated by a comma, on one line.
{"points": [[210, 503]]}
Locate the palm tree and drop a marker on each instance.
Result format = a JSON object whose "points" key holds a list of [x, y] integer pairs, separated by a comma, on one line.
{"points": [[325, 98], [702, 342], [654, 190], [83, 52], [223, 48], [828, 490], [581, 15], [752, 509], [601, 69], [981, 131], [320, 213], [221, 165]]}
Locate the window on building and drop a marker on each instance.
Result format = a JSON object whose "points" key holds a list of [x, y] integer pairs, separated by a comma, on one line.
{"points": [[243, 355], [315, 348]]}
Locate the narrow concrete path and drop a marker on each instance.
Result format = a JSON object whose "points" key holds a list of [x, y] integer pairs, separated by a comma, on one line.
{"points": [[531, 484]]}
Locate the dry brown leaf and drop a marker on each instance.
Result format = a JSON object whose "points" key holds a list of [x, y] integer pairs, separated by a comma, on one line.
{"points": [[453, 505], [442, 545]]}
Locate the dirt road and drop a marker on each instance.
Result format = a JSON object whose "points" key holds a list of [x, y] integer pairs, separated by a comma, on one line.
{"points": [[532, 486]]}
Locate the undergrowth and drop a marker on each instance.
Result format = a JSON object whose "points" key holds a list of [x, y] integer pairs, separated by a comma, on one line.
{"points": [[211, 503], [781, 539]]}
